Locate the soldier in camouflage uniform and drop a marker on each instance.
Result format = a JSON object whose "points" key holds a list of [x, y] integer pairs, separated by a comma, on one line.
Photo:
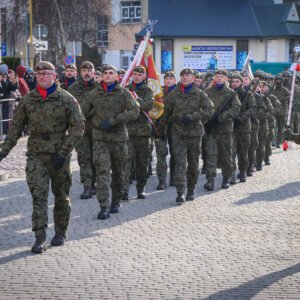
{"points": [[265, 112], [266, 90], [140, 132], [283, 95], [70, 75], [113, 107], [187, 108], [55, 122], [296, 105], [218, 130], [242, 128], [80, 90]]}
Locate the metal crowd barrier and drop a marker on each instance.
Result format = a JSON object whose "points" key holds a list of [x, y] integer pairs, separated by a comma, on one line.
{"points": [[2, 136]]}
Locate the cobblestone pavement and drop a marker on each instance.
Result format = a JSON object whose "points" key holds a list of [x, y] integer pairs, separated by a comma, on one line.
{"points": [[241, 243]]}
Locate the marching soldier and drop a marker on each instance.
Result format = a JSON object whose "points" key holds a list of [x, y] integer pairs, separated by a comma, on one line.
{"points": [[55, 122], [70, 74]]}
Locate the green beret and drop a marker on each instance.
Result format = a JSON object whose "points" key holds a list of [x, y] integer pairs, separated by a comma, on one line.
{"points": [[71, 66], [186, 71], [139, 69], [221, 72], [97, 72], [286, 74], [87, 65], [237, 76], [108, 67], [44, 65], [121, 71], [255, 81], [199, 76], [278, 77], [169, 74]]}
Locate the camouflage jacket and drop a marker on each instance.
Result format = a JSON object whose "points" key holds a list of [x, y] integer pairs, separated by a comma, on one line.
{"points": [[226, 118], [118, 106], [195, 105], [264, 109], [141, 126], [277, 109], [55, 124], [242, 122], [283, 95]]}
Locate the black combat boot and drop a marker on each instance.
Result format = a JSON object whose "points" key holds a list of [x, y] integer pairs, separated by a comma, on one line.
{"points": [[179, 199], [250, 171], [141, 194], [267, 162], [125, 196], [93, 189], [172, 181], [114, 208], [258, 166], [58, 239], [161, 185], [242, 176], [210, 184], [232, 179], [87, 193], [190, 195], [40, 244], [225, 183], [103, 214]]}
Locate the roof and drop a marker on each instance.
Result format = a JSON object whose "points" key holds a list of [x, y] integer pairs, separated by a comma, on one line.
{"points": [[219, 18]]}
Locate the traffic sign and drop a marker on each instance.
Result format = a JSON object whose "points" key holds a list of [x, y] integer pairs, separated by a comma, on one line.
{"points": [[40, 31], [39, 45], [69, 59]]}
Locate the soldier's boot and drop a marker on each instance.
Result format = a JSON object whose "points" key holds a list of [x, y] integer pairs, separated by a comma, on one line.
{"points": [[59, 239], [278, 143], [258, 166], [161, 185], [210, 184], [180, 198], [141, 193], [242, 176], [232, 179], [125, 196], [190, 196], [250, 171], [103, 214], [267, 162], [225, 183], [93, 189], [40, 244], [87, 193], [114, 208]]}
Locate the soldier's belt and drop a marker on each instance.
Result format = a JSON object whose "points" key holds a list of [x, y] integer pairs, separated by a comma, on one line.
{"points": [[47, 136]]}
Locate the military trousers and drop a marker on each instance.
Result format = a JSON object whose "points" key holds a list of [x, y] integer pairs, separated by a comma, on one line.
{"points": [[218, 145], [240, 147], [270, 138], [161, 148], [84, 151], [262, 141], [253, 146], [186, 153], [39, 173], [280, 121], [110, 159], [138, 149]]}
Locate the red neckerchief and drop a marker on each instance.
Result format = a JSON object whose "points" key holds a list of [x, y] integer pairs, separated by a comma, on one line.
{"points": [[66, 82], [42, 92], [104, 85], [182, 88]]}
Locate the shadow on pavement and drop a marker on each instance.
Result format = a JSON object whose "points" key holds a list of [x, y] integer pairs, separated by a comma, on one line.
{"points": [[248, 290], [283, 192]]}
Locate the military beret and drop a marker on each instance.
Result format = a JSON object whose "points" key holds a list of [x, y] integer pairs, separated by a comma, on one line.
{"points": [[139, 69], [186, 71], [109, 67], [97, 72], [87, 65], [221, 72], [44, 65], [169, 74], [121, 71], [286, 74], [278, 77], [258, 73], [255, 81], [237, 76], [199, 76], [71, 66]]}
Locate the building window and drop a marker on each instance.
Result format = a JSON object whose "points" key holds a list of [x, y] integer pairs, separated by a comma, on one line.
{"points": [[131, 12], [242, 48], [166, 55], [102, 31]]}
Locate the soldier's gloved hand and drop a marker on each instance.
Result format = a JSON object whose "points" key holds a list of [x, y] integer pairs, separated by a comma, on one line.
{"points": [[2, 155], [288, 134], [185, 120], [105, 124], [58, 161]]}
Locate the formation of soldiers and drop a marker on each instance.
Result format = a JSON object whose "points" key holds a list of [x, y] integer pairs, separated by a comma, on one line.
{"points": [[228, 117]]}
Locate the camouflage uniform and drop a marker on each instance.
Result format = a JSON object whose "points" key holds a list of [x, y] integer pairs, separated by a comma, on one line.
{"points": [[196, 107], [242, 131], [218, 139], [55, 126], [110, 145], [140, 132], [80, 90]]}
